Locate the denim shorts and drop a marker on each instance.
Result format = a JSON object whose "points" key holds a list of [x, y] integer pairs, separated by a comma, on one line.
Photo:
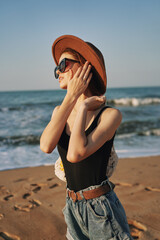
{"points": [[101, 218]]}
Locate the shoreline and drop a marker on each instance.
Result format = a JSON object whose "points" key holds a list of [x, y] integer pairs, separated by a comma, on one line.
{"points": [[32, 198]]}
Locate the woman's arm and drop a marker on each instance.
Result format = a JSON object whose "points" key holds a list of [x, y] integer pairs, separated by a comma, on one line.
{"points": [[76, 86], [53, 130], [80, 146]]}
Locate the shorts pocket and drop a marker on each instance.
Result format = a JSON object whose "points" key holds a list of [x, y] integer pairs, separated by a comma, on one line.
{"points": [[98, 209]]}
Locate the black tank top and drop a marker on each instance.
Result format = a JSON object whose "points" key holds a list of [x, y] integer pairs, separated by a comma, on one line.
{"points": [[90, 171]]}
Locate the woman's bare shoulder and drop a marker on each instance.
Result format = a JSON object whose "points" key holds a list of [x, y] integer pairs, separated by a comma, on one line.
{"points": [[111, 114], [111, 110]]}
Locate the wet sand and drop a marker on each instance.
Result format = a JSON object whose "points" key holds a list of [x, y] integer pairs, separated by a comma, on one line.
{"points": [[31, 200]]}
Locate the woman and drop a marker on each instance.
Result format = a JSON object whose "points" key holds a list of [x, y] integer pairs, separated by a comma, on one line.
{"points": [[83, 130]]}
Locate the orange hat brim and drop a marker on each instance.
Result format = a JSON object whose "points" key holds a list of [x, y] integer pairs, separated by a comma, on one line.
{"points": [[77, 44]]}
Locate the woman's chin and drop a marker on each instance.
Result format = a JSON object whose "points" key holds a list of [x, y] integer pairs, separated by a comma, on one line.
{"points": [[63, 86]]}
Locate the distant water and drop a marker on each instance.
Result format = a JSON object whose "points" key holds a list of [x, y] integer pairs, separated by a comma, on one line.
{"points": [[24, 115]]}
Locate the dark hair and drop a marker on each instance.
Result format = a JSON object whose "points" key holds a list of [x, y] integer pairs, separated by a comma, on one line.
{"points": [[96, 86]]}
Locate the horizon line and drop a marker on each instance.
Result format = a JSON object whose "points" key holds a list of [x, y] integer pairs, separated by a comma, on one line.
{"points": [[57, 89]]}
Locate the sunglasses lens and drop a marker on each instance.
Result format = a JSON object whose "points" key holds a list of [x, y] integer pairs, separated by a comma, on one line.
{"points": [[62, 65], [55, 73]]}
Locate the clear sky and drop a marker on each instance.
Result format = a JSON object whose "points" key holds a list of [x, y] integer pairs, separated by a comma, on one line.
{"points": [[126, 31]]}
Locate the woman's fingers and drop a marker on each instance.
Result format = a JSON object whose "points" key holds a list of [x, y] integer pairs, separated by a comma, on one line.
{"points": [[78, 72], [79, 82], [94, 102], [102, 98], [85, 71], [89, 78]]}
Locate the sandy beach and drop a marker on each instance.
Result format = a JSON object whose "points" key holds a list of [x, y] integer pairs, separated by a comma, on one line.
{"points": [[31, 200]]}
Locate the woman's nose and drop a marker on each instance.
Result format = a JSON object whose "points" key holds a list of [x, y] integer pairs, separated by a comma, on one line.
{"points": [[57, 71]]}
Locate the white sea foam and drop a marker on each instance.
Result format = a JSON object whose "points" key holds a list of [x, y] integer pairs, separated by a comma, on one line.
{"points": [[4, 109], [153, 132], [131, 153], [126, 135], [135, 101]]}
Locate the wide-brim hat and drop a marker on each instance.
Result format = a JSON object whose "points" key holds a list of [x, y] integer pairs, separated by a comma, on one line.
{"points": [[86, 49]]}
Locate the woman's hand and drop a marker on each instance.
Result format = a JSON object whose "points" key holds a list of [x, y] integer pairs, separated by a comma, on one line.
{"points": [[79, 82], [94, 102]]}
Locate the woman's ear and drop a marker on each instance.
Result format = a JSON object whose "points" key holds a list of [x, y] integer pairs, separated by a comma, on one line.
{"points": [[71, 74]]}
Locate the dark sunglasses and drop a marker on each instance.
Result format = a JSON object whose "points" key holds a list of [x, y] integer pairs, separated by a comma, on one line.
{"points": [[63, 65]]}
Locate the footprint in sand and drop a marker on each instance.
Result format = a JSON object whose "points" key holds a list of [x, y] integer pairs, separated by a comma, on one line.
{"points": [[8, 236], [21, 180], [50, 179], [137, 224], [35, 202], [136, 228], [26, 195], [8, 197], [54, 185], [136, 234], [26, 208], [38, 186], [152, 189], [35, 190]]}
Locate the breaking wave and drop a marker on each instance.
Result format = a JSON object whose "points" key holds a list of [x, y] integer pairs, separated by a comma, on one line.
{"points": [[151, 132], [20, 140], [134, 101]]}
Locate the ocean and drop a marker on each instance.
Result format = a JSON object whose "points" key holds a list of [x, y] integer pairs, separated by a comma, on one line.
{"points": [[24, 115]]}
